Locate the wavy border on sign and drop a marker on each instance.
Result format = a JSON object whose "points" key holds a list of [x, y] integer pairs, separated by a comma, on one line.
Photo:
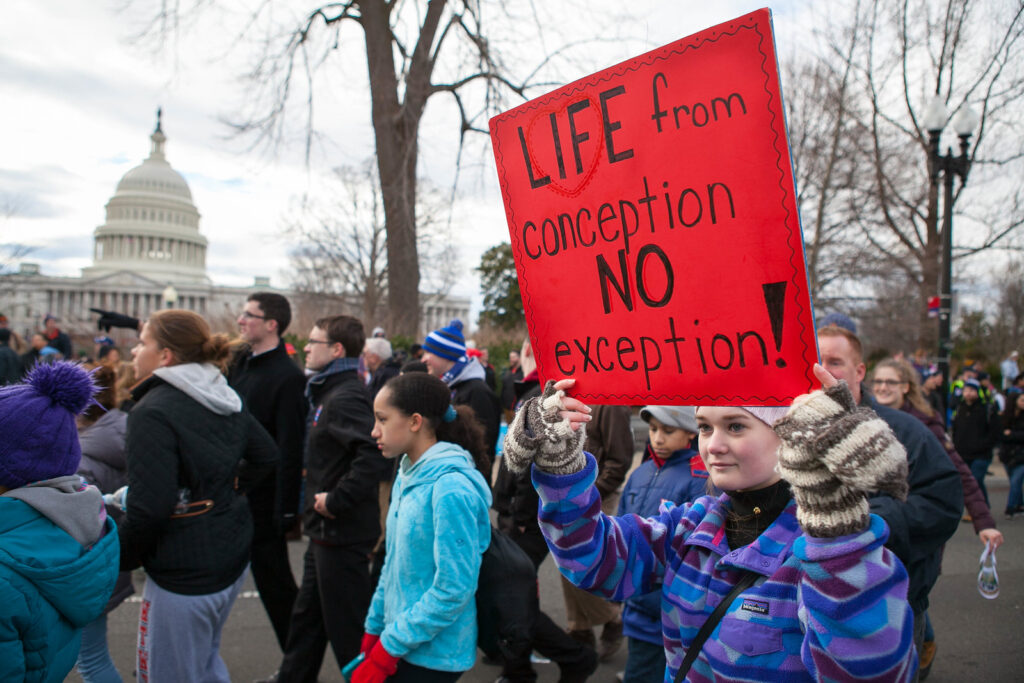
{"points": [[748, 22]]}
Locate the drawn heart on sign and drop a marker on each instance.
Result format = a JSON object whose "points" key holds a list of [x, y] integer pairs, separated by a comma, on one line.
{"points": [[546, 140]]}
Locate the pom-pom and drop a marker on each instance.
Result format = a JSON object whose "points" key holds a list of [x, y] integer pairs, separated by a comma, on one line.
{"points": [[456, 323], [66, 384]]}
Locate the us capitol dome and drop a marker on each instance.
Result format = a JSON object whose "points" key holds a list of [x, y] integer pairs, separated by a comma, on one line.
{"points": [[151, 226], [147, 255]]}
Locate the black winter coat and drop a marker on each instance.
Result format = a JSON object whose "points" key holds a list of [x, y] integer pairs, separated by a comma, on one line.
{"points": [[272, 386], [1012, 453], [388, 369], [485, 404], [10, 366], [515, 499], [175, 443], [508, 388], [920, 526], [975, 430], [343, 460], [62, 342]]}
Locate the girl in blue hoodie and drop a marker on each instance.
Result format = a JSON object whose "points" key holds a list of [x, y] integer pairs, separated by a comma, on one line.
{"points": [[421, 626]]}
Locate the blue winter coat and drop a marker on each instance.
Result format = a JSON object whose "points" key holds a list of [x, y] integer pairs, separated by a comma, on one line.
{"points": [[682, 479], [50, 587], [437, 529]]}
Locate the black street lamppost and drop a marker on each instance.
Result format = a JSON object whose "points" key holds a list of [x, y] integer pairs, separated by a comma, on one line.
{"points": [[947, 165]]}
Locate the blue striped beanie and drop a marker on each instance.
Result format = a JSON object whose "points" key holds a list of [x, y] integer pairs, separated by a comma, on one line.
{"points": [[447, 342]]}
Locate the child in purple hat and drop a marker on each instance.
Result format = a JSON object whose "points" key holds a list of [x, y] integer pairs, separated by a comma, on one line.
{"points": [[58, 551]]}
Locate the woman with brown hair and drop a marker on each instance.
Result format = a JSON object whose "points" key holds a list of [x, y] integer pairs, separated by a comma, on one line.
{"points": [[894, 384], [192, 452]]}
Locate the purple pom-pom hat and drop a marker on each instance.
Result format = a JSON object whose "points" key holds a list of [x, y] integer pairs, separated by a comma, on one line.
{"points": [[38, 434]]}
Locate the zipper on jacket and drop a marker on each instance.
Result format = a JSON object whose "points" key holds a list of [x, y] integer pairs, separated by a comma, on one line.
{"points": [[650, 487]]}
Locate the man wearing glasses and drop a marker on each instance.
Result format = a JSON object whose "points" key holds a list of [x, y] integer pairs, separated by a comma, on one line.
{"points": [[341, 513], [272, 386]]}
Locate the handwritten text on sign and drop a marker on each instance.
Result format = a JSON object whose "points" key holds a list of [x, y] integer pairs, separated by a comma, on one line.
{"points": [[653, 222]]}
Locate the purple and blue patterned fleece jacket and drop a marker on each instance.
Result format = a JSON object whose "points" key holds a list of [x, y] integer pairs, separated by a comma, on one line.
{"points": [[825, 609]]}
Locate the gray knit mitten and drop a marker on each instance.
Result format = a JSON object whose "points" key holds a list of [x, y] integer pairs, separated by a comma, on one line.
{"points": [[538, 434], [834, 455]]}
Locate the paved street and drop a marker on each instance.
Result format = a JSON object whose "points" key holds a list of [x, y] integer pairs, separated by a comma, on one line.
{"points": [[978, 639]]}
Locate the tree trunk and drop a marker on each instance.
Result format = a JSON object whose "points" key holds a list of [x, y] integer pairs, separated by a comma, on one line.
{"points": [[396, 126], [396, 164]]}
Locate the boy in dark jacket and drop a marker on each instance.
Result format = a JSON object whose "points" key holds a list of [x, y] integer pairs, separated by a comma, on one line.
{"points": [[975, 431], [673, 473], [342, 514], [58, 550]]}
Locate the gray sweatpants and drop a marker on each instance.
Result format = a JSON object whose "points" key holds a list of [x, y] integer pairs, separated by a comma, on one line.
{"points": [[179, 635]]}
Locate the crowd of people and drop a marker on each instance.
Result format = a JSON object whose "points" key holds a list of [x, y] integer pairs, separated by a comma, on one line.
{"points": [[737, 546]]}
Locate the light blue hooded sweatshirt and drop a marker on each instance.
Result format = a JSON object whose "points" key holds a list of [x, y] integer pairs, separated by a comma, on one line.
{"points": [[437, 528]]}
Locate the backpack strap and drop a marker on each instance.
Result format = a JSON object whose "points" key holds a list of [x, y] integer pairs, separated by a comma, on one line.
{"points": [[746, 581]]}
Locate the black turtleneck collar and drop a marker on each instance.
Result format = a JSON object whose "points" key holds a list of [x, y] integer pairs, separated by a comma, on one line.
{"points": [[751, 512]]}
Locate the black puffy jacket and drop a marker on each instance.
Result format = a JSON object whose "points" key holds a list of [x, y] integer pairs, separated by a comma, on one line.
{"points": [[975, 430], [175, 443]]}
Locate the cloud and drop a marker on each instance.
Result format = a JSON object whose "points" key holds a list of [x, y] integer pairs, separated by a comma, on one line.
{"points": [[33, 192], [76, 248]]}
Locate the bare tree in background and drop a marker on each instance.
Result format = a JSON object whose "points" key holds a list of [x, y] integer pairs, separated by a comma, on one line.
{"points": [[11, 252], [971, 54], [820, 111], [413, 50], [341, 237], [1008, 322]]}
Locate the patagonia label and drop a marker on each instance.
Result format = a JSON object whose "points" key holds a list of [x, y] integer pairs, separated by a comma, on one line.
{"points": [[759, 606]]}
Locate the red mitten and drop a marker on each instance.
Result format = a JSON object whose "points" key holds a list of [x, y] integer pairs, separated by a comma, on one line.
{"points": [[377, 666], [369, 640]]}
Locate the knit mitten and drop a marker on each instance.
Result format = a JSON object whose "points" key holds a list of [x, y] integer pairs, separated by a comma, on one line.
{"points": [[538, 434], [377, 667], [833, 455]]}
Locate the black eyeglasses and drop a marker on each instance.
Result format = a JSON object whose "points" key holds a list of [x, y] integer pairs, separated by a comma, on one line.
{"points": [[247, 314], [886, 382]]}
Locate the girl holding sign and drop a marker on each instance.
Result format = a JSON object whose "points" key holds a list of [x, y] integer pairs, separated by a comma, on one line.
{"points": [[783, 577]]}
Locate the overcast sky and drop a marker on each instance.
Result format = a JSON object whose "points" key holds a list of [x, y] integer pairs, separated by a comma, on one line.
{"points": [[79, 102]]}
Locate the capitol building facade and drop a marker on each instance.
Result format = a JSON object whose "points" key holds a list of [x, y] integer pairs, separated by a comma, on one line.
{"points": [[147, 255]]}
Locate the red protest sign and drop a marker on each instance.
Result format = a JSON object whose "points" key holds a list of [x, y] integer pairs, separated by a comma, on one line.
{"points": [[653, 219]]}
